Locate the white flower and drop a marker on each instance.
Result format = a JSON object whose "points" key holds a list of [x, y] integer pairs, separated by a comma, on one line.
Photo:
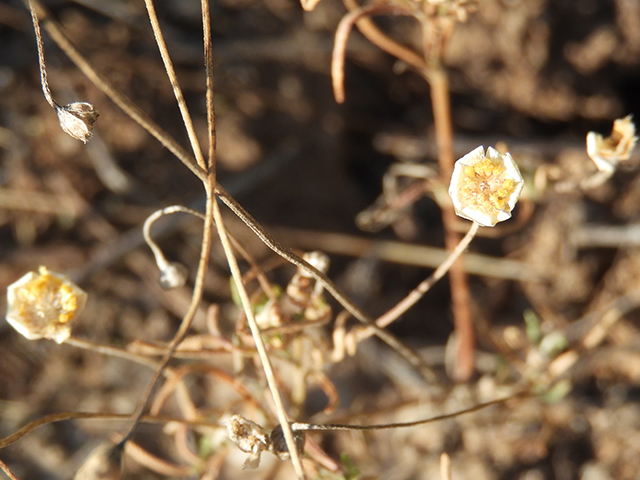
{"points": [[485, 188], [606, 153], [42, 305]]}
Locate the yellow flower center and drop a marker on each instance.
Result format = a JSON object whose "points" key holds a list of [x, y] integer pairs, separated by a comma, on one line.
{"points": [[47, 298], [485, 187]]}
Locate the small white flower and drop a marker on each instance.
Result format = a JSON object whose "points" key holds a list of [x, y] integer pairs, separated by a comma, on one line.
{"points": [[485, 188], [43, 304], [607, 152]]}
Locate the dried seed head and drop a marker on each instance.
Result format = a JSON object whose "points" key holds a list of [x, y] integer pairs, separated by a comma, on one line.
{"points": [[173, 275], [43, 304], [317, 259], [103, 463], [485, 188], [78, 119], [608, 152], [279, 444], [250, 437]]}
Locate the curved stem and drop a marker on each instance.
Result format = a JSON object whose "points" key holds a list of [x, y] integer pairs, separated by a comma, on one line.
{"points": [[342, 34], [424, 286], [387, 426]]}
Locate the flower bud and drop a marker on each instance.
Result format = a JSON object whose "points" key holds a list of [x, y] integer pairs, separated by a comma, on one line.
{"points": [[78, 119], [485, 188], [173, 275], [43, 304]]}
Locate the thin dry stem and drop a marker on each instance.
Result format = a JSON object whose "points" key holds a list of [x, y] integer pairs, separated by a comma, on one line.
{"points": [[62, 416], [173, 78], [186, 321], [369, 29], [111, 351], [460, 295], [260, 347], [342, 34], [44, 81], [423, 287], [156, 464], [5, 469], [445, 466], [387, 426], [208, 66]]}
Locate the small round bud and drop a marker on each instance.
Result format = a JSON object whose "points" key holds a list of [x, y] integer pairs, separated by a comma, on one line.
{"points": [[77, 119], [279, 444], [43, 304], [173, 275], [485, 188]]}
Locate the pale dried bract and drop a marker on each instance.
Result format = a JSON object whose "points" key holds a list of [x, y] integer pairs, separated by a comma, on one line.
{"points": [[607, 152], [77, 119], [250, 437], [43, 304], [485, 188]]}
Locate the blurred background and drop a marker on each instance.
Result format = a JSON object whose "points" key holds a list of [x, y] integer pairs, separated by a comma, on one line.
{"points": [[534, 75]]}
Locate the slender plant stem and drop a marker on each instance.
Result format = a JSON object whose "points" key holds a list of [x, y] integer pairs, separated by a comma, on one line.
{"points": [[342, 34], [262, 351], [5, 469], [416, 294], [387, 426], [111, 351], [184, 325], [62, 416], [208, 66], [44, 81], [463, 320], [173, 78], [369, 29]]}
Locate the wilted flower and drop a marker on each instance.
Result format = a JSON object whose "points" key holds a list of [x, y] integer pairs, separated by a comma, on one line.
{"points": [[77, 119], [250, 437], [485, 188], [608, 152], [43, 304]]}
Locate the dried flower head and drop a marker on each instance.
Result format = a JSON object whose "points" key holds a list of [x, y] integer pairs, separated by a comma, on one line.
{"points": [[608, 152], [485, 188], [43, 304], [77, 119], [250, 437]]}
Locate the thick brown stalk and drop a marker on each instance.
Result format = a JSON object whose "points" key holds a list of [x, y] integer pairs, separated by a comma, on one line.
{"points": [[458, 279]]}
